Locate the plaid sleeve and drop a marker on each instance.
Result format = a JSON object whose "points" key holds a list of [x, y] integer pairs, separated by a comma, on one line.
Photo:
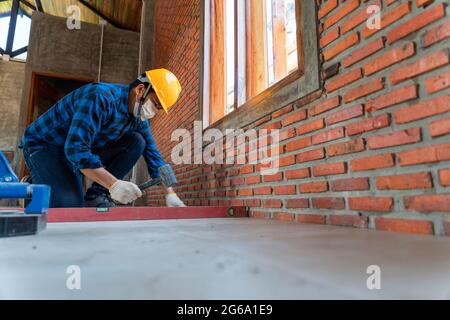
{"points": [[86, 123], [152, 156]]}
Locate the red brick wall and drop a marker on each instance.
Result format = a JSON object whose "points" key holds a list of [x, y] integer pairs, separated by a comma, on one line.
{"points": [[371, 151]]}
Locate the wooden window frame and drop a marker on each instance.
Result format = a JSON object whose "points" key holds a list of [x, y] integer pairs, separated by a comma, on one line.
{"points": [[300, 83]]}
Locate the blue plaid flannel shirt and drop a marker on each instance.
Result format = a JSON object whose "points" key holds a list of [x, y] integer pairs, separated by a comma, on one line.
{"points": [[86, 120]]}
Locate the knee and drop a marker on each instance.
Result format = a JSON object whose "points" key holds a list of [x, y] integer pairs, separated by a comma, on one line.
{"points": [[136, 142]]}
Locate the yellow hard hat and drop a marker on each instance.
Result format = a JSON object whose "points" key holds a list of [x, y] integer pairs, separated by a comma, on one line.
{"points": [[166, 86]]}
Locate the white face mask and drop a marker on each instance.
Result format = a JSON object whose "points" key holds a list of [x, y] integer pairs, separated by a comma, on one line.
{"points": [[148, 110]]}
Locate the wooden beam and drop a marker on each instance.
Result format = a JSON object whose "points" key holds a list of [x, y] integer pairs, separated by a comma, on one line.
{"points": [[38, 4], [218, 61], [257, 77], [97, 12], [279, 39], [29, 5]]}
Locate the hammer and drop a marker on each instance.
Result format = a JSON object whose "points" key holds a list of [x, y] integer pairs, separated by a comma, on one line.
{"points": [[166, 178]]}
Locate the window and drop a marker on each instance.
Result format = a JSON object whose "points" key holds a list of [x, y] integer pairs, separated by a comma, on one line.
{"points": [[14, 38], [252, 50]]}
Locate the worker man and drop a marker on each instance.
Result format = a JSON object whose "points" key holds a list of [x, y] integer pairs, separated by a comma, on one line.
{"points": [[100, 131]]}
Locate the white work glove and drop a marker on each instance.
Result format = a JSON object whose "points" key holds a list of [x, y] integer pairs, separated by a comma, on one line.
{"points": [[125, 192], [172, 200]]}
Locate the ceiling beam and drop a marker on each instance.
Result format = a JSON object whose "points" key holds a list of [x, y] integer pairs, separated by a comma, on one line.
{"points": [[39, 5], [93, 9], [29, 5]]}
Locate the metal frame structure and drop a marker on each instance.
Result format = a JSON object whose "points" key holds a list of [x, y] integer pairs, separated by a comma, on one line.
{"points": [[16, 10]]}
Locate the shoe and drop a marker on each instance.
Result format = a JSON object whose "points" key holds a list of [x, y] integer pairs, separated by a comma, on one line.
{"points": [[99, 201]]}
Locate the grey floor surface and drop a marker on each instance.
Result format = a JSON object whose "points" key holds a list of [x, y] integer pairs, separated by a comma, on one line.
{"points": [[221, 259]]}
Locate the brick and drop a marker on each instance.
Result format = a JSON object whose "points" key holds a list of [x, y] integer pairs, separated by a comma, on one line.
{"points": [[393, 98], [329, 203], [421, 180], [404, 226], [331, 71], [284, 216], [298, 144], [343, 11], [371, 204], [444, 177], [366, 51], [253, 180], [345, 147], [341, 46], [423, 110], [252, 203], [351, 184], [282, 111], [287, 161], [329, 37], [247, 169], [346, 114], [416, 23], [355, 221], [288, 134], [325, 106], [260, 215], [421, 3], [297, 203], [343, 80], [330, 135], [295, 117], [274, 177], [263, 120], [297, 174], [327, 8], [398, 138], [314, 187], [360, 17], [437, 34], [428, 203], [447, 228], [311, 126], [364, 90], [311, 218], [439, 127], [368, 125], [272, 203], [430, 154], [380, 161], [246, 192], [389, 18], [262, 191], [438, 83], [390, 58], [312, 155], [329, 169], [426, 64], [285, 190]]}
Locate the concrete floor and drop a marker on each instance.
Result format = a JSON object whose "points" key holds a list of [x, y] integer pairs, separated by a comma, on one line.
{"points": [[222, 259]]}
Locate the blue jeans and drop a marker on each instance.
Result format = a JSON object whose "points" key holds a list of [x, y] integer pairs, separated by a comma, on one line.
{"points": [[50, 167]]}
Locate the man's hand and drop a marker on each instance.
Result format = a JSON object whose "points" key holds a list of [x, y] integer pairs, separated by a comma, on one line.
{"points": [[125, 192], [172, 200]]}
